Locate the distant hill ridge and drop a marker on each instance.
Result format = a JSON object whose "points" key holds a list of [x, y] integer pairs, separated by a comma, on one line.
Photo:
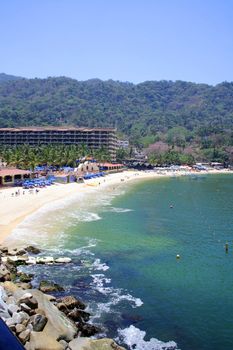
{"points": [[137, 110], [6, 77]]}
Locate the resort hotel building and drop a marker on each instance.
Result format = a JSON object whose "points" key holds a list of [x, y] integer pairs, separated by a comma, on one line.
{"points": [[93, 138]]}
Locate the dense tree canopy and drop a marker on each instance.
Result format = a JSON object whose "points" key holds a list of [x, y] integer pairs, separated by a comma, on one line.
{"points": [[178, 113], [28, 157]]}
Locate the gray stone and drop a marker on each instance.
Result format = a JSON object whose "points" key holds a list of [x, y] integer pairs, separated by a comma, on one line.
{"points": [[32, 249], [10, 300], [17, 318], [3, 271], [24, 336], [3, 306], [4, 315], [24, 316], [30, 327], [4, 249], [13, 308], [20, 252], [64, 344], [31, 260], [29, 300], [17, 260], [3, 295], [24, 307], [45, 260], [38, 322], [63, 260], [10, 321], [20, 328]]}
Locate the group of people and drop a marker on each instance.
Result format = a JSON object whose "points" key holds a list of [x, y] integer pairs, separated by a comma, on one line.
{"points": [[18, 192]]}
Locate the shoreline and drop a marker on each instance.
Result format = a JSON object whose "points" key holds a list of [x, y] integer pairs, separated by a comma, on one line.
{"points": [[14, 209]]}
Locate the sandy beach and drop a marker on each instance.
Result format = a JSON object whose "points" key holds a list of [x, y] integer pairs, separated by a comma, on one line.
{"points": [[14, 209]]}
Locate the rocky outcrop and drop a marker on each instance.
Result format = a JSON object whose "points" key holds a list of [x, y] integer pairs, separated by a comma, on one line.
{"points": [[40, 321], [42, 341], [71, 302], [34, 318], [32, 249], [48, 287]]}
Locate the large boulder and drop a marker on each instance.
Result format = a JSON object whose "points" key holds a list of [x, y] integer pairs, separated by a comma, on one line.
{"points": [[63, 260], [79, 315], [48, 287], [42, 341], [87, 330], [71, 302], [38, 322], [45, 260], [4, 273], [24, 277], [24, 336], [29, 300], [33, 250], [90, 344], [17, 260]]}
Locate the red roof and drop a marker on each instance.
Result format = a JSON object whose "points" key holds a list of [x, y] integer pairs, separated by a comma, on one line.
{"points": [[111, 165], [13, 171]]}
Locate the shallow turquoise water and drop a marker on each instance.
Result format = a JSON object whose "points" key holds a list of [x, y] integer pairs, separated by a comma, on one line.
{"points": [[124, 248]]}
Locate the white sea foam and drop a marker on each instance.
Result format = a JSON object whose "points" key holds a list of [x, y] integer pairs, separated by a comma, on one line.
{"points": [[115, 295], [84, 216], [100, 266], [119, 210], [135, 302], [99, 280], [134, 338]]}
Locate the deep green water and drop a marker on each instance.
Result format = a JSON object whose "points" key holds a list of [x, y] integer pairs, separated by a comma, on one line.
{"points": [[124, 247]]}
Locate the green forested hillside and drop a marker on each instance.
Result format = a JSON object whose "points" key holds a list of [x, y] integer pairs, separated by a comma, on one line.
{"points": [[177, 113], [6, 77]]}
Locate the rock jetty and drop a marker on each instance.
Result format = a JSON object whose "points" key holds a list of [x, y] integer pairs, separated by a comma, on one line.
{"points": [[38, 320]]}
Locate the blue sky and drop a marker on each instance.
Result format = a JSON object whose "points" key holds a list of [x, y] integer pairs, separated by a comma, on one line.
{"points": [[126, 40]]}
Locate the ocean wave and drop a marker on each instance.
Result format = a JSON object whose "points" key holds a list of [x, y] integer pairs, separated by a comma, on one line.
{"points": [[100, 266], [114, 295], [119, 210], [118, 297], [134, 338], [99, 281], [84, 216]]}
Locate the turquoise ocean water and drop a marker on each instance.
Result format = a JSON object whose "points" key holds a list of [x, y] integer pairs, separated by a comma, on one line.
{"points": [[124, 244]]}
